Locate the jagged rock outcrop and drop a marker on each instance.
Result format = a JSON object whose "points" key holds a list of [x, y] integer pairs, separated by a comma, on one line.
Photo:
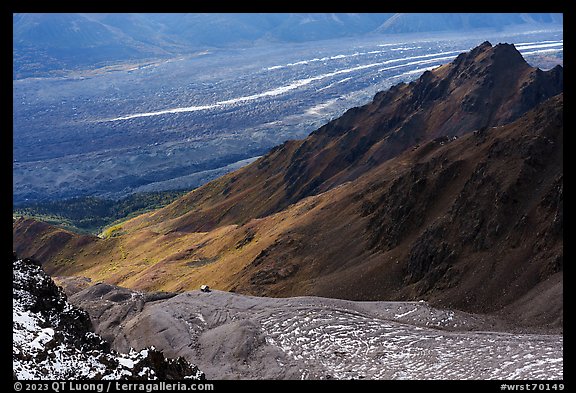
{"points": [[54, 340]]}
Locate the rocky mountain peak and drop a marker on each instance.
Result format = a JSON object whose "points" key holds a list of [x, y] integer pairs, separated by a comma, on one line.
{"points": [[507, 52], [500, 52], [487, 61], [483, 47]]}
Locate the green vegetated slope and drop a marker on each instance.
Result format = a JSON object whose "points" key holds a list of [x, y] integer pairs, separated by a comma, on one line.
{"points": [[92, 214]]}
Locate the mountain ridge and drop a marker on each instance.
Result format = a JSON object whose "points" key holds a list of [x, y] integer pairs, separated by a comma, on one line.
{"points": [[450, 100], [467, 218]]}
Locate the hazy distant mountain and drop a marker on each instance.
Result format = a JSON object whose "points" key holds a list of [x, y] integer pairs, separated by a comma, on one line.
{"points": [[309, 27], [419, 23], [47, 42]]}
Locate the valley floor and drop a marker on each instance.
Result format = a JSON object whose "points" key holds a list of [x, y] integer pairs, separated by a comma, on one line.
{"points": [[232, 336]]}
